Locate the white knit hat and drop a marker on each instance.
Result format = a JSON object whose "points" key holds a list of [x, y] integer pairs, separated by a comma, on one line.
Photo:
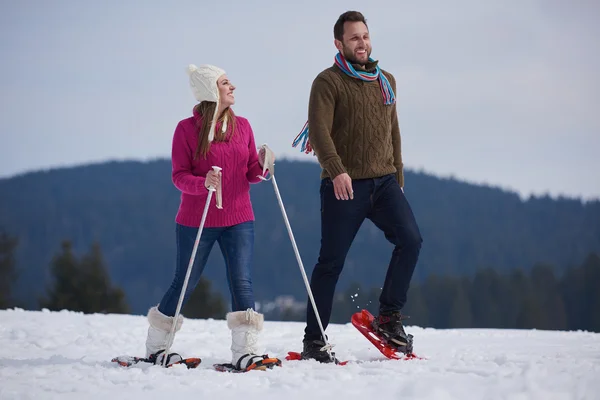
{"points": [[203, 81]]}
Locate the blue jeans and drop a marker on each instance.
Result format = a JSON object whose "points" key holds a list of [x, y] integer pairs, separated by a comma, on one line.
{"points": [[237, 246], [382, 201]]}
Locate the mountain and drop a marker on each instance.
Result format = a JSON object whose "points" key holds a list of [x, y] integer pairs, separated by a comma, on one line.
{"points": [[129, 208]]}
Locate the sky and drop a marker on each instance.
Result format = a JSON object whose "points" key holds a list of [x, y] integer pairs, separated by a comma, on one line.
{"points": [[66, 355], [499, 93]]}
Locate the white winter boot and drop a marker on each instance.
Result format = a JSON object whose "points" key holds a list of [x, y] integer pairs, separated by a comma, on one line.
{"points": [[245, 329], [158, 334]]}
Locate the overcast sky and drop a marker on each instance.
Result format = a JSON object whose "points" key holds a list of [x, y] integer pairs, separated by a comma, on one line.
{"points": [[499, 92]]}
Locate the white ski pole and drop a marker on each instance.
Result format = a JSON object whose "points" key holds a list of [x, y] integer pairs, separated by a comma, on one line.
{"points": [[269, 164], [211, 190]]}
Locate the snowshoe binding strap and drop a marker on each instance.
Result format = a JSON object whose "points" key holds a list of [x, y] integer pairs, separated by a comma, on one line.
{"points": [[172, 358], [253, 361]]}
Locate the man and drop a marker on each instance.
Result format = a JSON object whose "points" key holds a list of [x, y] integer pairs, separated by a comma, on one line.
{"points": [[353, 129]]}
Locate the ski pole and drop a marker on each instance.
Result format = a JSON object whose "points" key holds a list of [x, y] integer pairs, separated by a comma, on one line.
{"points": [[268, 164], [211, 190]]}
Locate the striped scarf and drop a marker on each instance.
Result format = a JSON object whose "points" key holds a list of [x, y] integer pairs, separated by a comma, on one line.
{"points": [[386, 91]]}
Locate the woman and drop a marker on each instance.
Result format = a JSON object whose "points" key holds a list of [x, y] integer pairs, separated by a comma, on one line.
{"points": [[213, 136]]}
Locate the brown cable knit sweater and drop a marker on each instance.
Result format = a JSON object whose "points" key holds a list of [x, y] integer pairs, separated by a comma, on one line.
{"points": [[350, 128]]}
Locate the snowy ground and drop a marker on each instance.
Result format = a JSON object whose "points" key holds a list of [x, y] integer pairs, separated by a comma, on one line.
{"points": [[66, 355]]}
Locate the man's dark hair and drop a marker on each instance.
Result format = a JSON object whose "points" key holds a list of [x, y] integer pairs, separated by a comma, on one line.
{"points": [[348, 16]]}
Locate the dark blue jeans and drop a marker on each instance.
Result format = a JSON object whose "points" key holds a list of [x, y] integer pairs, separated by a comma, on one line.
{"points": [[382, 201], [237, 246]]}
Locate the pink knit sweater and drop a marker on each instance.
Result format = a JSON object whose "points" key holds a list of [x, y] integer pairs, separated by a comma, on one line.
{"points": [[239, 160]]}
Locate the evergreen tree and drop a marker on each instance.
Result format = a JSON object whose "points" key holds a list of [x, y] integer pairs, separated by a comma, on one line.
{"points": [[83, 285], [531, 314], [572, 286], [460, 312], [546, 290], [486, 296], [416, 307], [99, 295], [518, 286], [204, 303], [8, 274], [590, 296], [66, 290]]}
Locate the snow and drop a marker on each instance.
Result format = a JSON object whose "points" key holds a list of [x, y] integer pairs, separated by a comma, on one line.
{"points": [[66, 355]]}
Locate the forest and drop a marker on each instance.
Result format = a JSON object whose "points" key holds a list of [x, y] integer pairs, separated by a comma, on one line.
{"points": [[478, 241]]}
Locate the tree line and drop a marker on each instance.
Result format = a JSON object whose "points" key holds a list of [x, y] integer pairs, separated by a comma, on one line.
{"points": [[82, 283], [537, 298], [129, 209], [534, 299]]}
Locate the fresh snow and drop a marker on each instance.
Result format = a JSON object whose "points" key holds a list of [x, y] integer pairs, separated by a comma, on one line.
{"points": [[66, 355]]}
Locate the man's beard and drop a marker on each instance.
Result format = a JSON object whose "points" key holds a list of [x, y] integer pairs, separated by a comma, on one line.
{"points": [[349, 55]]}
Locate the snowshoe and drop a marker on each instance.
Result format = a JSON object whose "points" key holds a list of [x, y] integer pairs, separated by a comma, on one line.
{"points": [[249, 363], [389, 327], [173, 359], [363, 321]]}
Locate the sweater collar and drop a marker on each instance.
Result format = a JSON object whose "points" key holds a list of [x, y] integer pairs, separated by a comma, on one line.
{"points": [[371, 66]]}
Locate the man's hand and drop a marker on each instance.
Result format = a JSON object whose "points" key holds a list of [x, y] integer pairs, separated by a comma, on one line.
{"points": [[342, 187]]}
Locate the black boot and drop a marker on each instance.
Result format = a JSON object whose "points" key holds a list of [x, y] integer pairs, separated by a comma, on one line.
{"points": [[312, 350], [389, 327]]}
